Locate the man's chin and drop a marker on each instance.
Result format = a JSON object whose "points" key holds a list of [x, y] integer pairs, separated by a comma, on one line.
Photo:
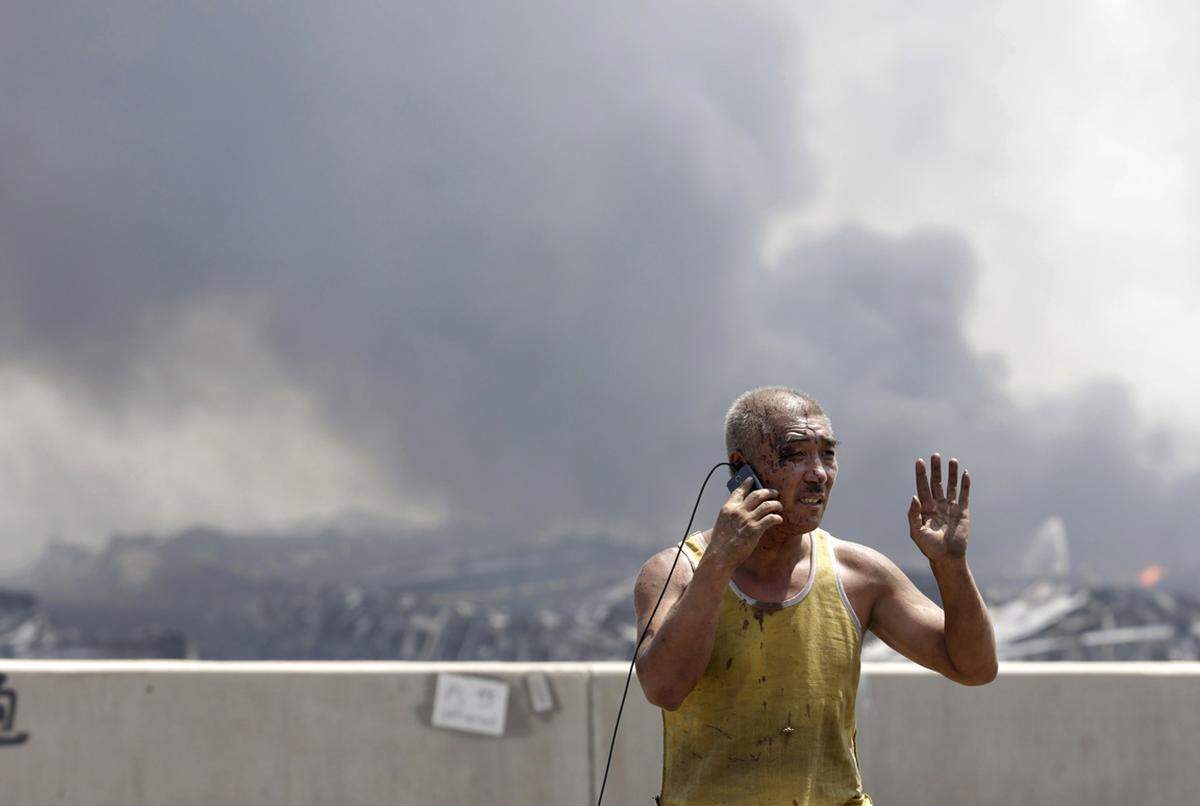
{"points": [[808, 513], [810, 521], [804, 522]]}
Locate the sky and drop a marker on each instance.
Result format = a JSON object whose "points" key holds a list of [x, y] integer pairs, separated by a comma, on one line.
{"points": [[428, 266]]}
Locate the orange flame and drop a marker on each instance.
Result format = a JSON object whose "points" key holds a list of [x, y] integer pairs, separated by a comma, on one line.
{"points": [[1149, 576]]}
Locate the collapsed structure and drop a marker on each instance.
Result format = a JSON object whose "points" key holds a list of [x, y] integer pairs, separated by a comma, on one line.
{"points": [[1056, 620]]}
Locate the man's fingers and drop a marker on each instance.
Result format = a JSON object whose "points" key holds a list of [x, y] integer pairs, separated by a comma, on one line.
{"points": [[769, 520], [965, 496], [758, 496], [952, 480], [935, 473], [923, 494], [766, 508], [914, 514], [739, 492]]}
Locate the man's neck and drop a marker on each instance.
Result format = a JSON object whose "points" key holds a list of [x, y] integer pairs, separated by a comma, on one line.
{"points": [[776, 557]]}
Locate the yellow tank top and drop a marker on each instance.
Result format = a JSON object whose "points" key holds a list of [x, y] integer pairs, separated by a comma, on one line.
{"points": [[771, 722]]}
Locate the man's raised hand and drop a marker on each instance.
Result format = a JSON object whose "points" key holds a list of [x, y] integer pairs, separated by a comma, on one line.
{"points": [[937, 520], [741, 522]]}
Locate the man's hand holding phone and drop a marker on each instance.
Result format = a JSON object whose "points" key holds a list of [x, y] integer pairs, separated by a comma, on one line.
{"points": [[746, 515]]}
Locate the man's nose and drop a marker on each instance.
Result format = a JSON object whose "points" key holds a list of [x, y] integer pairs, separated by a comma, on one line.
{"points": [[816, 473]]}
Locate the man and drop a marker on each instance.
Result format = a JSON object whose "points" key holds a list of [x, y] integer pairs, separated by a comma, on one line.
{"points": [[754, 652]]}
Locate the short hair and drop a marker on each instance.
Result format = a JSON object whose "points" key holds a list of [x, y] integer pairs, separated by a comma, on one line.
{"points": [[746, 421]]}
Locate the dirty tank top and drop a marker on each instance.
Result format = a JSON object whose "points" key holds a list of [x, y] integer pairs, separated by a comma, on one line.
{"points": [[771, 721]]}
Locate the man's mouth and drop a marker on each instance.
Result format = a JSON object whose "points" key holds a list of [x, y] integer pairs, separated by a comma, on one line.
{"points": [[812, 500]]}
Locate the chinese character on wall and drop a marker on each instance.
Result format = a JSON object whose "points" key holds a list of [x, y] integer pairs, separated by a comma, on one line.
{"points": [[8, 716]]}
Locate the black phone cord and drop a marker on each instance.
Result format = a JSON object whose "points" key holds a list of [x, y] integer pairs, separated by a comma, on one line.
{"points": [[650, 621]]}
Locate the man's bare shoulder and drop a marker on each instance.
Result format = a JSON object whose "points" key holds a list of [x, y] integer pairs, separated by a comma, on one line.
{"points": [[864, 562], [658, 566], [651, 585]]}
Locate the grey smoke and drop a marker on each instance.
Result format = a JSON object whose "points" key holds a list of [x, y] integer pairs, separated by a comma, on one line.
{"points": [[512, 252]]}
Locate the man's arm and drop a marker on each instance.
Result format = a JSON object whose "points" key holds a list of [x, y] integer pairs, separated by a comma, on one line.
{"points": [[958, 642], [672, 659], [679, 644]]}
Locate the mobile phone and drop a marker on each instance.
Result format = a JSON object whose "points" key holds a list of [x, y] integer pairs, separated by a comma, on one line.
{"points": [[743, 473]]}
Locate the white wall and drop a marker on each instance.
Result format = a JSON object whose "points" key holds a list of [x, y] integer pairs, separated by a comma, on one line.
{"points": [[139, 733]]}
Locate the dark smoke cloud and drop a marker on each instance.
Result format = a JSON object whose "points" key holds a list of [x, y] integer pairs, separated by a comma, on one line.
{"points": [[514, 252], [492, 239], [875, 325]]}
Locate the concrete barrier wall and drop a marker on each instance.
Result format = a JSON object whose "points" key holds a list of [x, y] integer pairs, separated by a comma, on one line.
{"points": [[142, 733]]}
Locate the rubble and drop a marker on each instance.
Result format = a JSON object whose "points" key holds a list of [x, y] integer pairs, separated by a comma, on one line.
{"points": [[27, 632], [1056, 620], [329, 597]]}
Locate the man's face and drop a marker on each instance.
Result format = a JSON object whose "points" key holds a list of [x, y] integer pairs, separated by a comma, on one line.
{"points": [[799, 459]]}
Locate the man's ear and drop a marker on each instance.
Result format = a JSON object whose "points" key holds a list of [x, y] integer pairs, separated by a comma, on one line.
{"points": [[737, 460]]}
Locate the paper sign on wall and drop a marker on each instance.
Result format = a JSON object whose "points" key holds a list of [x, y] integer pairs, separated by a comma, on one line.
{"points": [[472, 704]]}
